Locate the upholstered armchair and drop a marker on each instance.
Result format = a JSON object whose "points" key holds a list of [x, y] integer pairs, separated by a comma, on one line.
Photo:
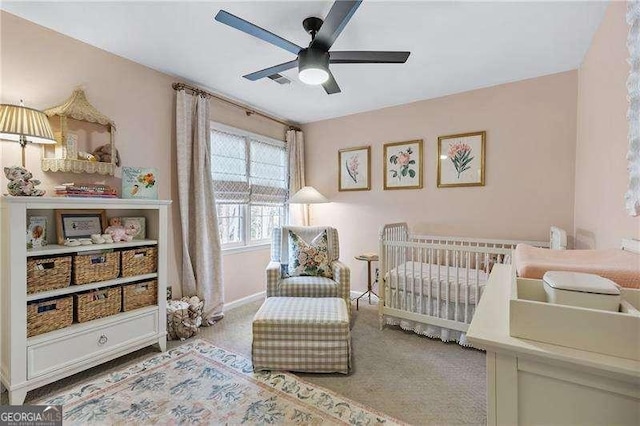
{"points": [[307, 286]]}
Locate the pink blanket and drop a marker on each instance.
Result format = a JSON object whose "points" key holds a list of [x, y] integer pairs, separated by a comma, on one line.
{"points": [[620, 266]]}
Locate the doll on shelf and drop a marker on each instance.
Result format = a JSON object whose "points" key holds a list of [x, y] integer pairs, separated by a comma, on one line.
{"points": [[119, 232]]}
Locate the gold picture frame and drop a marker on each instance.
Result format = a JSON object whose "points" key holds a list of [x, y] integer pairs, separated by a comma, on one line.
{"points": [[87, 222], [458, 162], [351, 177], [403, 165]]}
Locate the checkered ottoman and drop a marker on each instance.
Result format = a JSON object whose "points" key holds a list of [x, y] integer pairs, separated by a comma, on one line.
{"points": [[302, 334]]}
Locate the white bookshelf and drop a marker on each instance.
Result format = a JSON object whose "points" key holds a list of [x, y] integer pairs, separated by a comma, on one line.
{"points": [[28, 363]]}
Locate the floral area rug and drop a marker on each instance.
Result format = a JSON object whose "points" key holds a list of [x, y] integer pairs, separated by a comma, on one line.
{"points": [[199, 383]]}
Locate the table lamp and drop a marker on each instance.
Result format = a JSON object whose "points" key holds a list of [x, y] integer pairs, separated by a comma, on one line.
{"points": [[307, 195], [24, 125]]}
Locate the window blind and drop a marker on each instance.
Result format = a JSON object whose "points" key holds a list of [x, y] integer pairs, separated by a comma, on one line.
{"points": [[248, 170], [268, 172]]}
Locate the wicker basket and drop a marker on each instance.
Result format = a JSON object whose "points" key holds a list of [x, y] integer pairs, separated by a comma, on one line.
{"points": [[48, 273], [139, 261], [90, 268], [48, 315], [138, 295], [98, 303]]}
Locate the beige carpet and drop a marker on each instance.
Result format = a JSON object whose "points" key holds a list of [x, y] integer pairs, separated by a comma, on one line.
{"points": [[412, 378]]}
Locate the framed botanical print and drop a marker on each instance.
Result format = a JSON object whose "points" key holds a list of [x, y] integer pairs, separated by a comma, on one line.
{"points": [[403, 165], [354, 169], [461, 159]]}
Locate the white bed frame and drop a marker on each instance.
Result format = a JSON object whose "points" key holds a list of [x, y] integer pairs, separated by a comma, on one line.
{"points": [[458, 255]]}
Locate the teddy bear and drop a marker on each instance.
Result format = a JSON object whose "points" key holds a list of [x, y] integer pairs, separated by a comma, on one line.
{"points": [[104, 154], [21, 182], [119, 232]]}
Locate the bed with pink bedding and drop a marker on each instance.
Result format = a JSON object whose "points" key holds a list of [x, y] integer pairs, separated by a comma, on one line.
{"points": [[620, 266]]}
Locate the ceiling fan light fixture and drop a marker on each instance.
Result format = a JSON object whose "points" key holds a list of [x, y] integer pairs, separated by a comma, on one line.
{"points": [[313, 76], [313, 66]]}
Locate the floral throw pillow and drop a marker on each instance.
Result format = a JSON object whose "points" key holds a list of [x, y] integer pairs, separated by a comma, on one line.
{"points": [[309, 259]]}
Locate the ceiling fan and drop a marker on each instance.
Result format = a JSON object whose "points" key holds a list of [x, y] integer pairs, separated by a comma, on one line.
{"points": [[313, 61]]}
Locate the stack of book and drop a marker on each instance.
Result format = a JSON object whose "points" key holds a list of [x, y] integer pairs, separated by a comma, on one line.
{"points": [[86, 190]]}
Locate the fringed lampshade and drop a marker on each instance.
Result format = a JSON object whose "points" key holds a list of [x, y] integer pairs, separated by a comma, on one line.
{"points": [[24, 125]]}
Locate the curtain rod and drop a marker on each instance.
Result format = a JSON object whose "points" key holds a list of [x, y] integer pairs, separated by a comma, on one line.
{"points": [[247, 110]]}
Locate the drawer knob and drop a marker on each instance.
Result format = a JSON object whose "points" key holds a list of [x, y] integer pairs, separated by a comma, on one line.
{"points": [[102, 340]]}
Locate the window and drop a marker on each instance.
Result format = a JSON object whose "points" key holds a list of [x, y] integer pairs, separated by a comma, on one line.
{"points": [[250, 180]]}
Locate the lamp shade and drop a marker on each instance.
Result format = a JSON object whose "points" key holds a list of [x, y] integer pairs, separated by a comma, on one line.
{"points": [[308, 195], [22, 124]]}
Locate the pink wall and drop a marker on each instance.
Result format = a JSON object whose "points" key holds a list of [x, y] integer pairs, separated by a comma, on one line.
{"points": [[532, 162], [530, 150], [601, 166], [43, 67]]}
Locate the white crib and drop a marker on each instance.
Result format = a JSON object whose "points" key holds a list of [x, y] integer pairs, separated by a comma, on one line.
{"points": [[432, 284]]}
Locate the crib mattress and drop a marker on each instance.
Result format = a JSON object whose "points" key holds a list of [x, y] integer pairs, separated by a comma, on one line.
{"points": [[620, 266], [406, 278]]}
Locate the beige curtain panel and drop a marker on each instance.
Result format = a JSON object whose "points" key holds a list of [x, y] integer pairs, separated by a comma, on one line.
{"points": [[295, 150], [201, 253]]}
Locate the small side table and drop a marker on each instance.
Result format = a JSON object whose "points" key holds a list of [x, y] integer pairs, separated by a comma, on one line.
{"points": [[369, 291]]}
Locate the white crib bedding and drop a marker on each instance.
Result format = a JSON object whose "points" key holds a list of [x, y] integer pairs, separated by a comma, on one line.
{"points": [[406, 279]]}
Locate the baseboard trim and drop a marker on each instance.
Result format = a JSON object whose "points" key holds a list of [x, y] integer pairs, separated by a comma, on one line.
{"points": [[245, 300]]}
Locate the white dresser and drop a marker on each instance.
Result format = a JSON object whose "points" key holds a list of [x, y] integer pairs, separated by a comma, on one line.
{"points": [[27, 363], [534, 383]]}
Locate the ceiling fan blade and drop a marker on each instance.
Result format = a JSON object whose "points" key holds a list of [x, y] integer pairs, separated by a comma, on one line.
{"points": [[368, 57], [337, 18], [271, 70], [280, 79], [330, 86], [254, 30]]}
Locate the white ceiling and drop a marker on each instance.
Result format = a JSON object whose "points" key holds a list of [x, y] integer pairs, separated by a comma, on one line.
{"points": [[455, 46]]}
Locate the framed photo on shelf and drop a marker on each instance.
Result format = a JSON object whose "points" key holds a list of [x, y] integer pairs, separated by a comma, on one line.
{"points": [[461, 159], [403, 165], [138, 224], [354, 169], [37, 232], [140, 183], [79, 223]]}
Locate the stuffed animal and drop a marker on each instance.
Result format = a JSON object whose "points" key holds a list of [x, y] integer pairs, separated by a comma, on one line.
{"points": [[105, 153], [21, 182], [119, 232]]}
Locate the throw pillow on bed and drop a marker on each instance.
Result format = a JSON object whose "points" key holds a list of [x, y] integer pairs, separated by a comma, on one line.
{"points": [[310, 259]]}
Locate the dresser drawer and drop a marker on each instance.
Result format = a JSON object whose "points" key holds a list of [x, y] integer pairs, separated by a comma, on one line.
{"points": [[92, 342]]}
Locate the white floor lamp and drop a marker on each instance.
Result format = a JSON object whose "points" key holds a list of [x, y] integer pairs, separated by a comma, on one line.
{"points": [[307, 195]]}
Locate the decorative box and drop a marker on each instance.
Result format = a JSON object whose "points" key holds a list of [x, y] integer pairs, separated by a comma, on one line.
{"points": [[580, 289]]}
